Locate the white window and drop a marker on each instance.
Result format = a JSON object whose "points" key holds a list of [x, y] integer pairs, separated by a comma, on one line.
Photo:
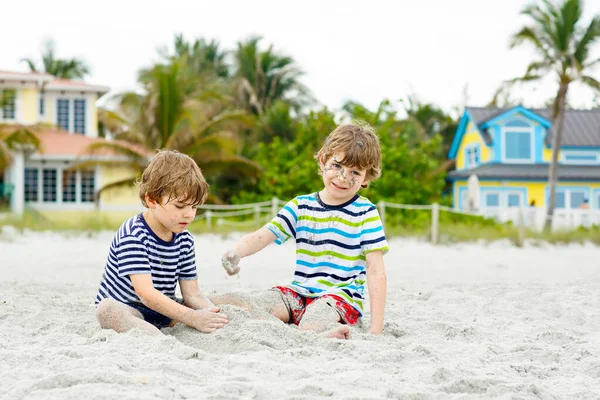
{"points": [[31, 184], [570, 198], [518, 145], [87, 186], [472, 155], [514, 199], [62, 113], [518, 141], [70, 114], [56, 185], [8, 104], [502, 199], [579, 157], [49, 185], [69, 191], [492, 199], [79, 115]]}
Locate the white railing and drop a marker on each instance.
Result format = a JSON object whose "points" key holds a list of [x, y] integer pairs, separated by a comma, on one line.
{"points": [[532, 218], [262, 212]]}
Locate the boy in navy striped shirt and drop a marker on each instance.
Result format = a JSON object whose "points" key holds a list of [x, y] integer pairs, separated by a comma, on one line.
{"points": [[340, 243], [152, 252]]}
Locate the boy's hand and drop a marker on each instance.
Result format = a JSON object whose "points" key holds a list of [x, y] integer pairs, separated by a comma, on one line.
{"points": [[230, 261], [207, 320]]}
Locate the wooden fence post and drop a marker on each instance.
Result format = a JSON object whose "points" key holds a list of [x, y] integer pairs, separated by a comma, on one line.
{"points": [[257, 214], [274, 207], [521, 231], [435, 216], [381, 207], [209, 219]]}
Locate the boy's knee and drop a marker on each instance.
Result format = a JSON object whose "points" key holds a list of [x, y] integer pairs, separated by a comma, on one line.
{"points": [[106, 312], [318, 316]]}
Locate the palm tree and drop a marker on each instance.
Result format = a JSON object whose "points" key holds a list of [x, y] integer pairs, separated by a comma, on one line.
{"points": [[263, 77], [63, 68], [16, 137], [168, 116], [201, 56], [563, 47]]}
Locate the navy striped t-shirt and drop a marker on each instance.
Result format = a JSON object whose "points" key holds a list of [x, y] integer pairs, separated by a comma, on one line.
{"points": [[135, 249]]}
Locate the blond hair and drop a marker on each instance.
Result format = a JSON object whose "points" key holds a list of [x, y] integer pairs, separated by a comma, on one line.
{"points": [[360, 145], [173, 175]]}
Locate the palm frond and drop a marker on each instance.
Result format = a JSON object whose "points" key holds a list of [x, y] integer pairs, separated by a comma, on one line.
{"points": [[6, 157], [30, 63], [591, 35], [228, 116], [236, 166], [83, 164], [526, 78], [125, 183], [213, 145], [138, 155], [591, 82], [591, 64]]}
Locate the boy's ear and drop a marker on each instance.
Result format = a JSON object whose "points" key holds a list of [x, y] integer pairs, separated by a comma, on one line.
{"points": [[151, 203], [322, 162], [321, 165]]}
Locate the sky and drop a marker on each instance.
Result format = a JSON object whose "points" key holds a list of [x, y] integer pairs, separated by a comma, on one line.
{"points": [[449, 53]]}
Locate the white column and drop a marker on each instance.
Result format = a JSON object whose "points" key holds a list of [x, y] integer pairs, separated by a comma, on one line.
{"points": [[17, 179]]}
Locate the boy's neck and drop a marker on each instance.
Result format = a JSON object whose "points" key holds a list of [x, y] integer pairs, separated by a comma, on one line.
{"points": [[156, 227], [325, 199]]}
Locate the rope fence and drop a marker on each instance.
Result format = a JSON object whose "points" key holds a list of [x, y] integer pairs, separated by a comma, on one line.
{"points": [[523, 218]]}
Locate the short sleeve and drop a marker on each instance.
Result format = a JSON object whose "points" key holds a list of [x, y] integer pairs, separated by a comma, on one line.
{"points": [[284, 224], [187, 260], [372, 236], [132, 257]]}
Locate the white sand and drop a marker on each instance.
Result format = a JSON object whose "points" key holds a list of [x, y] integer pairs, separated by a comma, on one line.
{"points": [[467, 321]]}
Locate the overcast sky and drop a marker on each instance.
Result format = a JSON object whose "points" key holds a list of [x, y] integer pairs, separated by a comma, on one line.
{"points": [[361, 50]]}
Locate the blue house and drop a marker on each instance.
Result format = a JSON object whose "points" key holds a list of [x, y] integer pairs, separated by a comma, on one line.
{"points": [[509, 150]]}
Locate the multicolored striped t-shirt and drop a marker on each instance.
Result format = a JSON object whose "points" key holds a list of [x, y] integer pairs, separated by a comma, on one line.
{"points": [[331, 244]]}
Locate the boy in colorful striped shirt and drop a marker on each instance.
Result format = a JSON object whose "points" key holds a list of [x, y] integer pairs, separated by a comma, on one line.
{"points": [[339, 237]]}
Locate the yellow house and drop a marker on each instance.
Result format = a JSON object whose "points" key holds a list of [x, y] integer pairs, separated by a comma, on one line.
{"points": [[509, 151], [42, 180]]}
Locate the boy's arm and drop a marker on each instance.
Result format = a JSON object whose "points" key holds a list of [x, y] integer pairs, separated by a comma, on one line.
{"points": [[255, 242], [192, 297], [202, 320], [377, 281], [246, 246]]}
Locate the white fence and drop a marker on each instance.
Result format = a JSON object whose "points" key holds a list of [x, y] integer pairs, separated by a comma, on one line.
{"points": [[261, 212], [532, 218]]}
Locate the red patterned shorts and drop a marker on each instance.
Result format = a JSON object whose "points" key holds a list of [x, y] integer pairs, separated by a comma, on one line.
{"points": [[297, 305]]}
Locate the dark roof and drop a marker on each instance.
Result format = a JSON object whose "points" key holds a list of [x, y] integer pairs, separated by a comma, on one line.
{"points": [[529, 171], [581, 127]]}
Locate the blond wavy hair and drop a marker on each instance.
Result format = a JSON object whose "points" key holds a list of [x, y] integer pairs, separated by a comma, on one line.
{"points": [[360, 145], [174, 176]]}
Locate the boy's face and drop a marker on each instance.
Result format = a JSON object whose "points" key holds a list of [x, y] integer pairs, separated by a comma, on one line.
{"points": [[170, 216], [341, 182]]}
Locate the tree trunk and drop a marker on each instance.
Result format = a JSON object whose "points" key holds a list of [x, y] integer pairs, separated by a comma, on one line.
{"points": [[557, 124]]}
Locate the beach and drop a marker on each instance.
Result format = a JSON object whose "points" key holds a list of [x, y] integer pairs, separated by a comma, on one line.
{"points": [[462, 321]]}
